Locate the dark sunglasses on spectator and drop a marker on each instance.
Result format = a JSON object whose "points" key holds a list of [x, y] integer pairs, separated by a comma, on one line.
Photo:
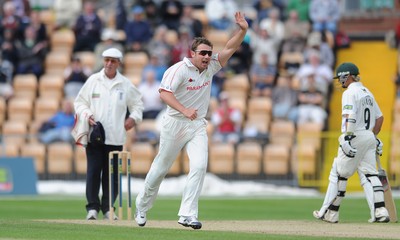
{"points": [[204, 52]]}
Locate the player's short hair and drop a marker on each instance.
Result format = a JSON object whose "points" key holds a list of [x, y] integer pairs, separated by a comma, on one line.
{"points": [[200, 40]]}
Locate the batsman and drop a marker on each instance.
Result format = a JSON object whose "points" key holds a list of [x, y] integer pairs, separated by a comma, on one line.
{"points": [[362, 120]]}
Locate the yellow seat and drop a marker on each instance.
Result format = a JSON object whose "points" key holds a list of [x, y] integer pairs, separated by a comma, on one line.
{"points": [[51, 85], [306, 159], [134, 62], [25, 86], [249, 156], [20, 109], [88, 59], [14, 132], [282, 132], [45, 108], [57, 62], [59, 158], [142, 157], [80, 160], [37, 151], [222, 158], [3, 111], [276, 159], [62, 40], [9, 150]]}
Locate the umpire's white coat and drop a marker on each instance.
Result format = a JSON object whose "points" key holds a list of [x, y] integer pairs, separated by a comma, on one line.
{"points": [[108, 102]]}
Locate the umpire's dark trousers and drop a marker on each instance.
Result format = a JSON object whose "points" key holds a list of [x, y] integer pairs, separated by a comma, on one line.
{"points": [[97, 173]]}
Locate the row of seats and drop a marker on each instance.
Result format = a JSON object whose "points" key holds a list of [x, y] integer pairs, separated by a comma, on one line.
{"points": [[248, 158]]}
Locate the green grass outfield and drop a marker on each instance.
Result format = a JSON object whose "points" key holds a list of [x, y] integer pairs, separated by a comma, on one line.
{"points": [[19, 215]]}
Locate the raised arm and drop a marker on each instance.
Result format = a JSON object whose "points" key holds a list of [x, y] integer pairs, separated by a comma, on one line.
{"points": [[234, 43]]}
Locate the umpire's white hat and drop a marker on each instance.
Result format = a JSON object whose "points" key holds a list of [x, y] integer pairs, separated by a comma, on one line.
{"points": [[113, 53]]}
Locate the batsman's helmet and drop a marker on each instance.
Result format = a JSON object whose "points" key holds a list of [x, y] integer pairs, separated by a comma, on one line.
{"points": [[345, 70]]}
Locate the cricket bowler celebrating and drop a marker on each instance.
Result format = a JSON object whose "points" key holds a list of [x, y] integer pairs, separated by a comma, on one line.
{"points": [[361, 122], [186, 88]]}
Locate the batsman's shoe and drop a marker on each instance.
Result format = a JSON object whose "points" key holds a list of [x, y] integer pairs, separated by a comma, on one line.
{"points": [[190, 222], [331, 216], [91, 215], [140, 218], [381, 215], [107, 216]]}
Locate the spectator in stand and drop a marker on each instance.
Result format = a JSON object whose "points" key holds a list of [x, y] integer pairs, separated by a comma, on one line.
{"points": [[31, 53], [324, 15], [311, 104], [151, 11], [138, 31], [59, 126], [66, 12], [11, 21], [240, 61], [155, 66], [220, 13], [75, 76], [40, 28], [121, 17], [171, 12], [261, 42], [159, 46], [323, 73], [263, 8], [108, 40], [9, 51], [274, 26], [87, 29], [262, 77], [302, 7], [150, 95], [284, 100], [182, 48], [296, 33], [22, 9], [194, 25], [6, 74], [226, 120], [316, 42]]}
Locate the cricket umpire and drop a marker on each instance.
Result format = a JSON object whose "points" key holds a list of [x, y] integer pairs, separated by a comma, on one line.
{"points": [[105, 97], [362, 120]]}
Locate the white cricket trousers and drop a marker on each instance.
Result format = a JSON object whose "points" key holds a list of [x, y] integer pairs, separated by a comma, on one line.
{"points": [[177, 133]]}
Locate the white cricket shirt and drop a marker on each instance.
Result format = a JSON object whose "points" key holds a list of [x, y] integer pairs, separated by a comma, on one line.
{"points": [[358, 100], [190, 87]]}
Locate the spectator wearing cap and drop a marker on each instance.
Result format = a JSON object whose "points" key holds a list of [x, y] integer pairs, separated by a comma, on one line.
{"points": [[108, 40], [138, 31], [106, 97]]}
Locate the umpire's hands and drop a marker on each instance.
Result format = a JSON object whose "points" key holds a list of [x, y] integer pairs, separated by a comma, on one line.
{"points": [[379, 147], [346, 147]]}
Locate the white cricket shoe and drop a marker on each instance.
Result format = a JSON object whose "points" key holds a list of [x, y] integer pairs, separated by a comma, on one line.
{"points": [[92, 215], [329, 216], [190, 222], [140, 218], [381, 215], [107, 216]]}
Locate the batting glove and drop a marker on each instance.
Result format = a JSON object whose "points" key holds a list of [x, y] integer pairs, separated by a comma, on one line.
{"points": [[346, 147], [379, 147]]}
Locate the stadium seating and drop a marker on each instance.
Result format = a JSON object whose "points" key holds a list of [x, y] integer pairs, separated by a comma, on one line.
{"points": [[221, 158], [15, 132], [276, 159], [59, 158], [37, 151], [20, 109], [249, 158], [80, 162], [142, 156], [25, 86]]}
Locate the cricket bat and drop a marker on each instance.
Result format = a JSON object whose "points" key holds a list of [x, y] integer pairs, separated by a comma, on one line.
{"points": [[389, 202]]}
